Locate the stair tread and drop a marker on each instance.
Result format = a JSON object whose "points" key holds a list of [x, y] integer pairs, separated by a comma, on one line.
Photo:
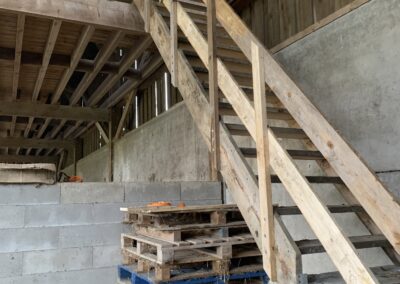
{"points": [[360, 242], [296, 154], [314, 179], [280, 132], [273, 113], [389, 274], [294, 210]]}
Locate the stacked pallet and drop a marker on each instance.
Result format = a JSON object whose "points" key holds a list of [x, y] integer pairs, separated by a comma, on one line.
{"points": [[172, 243]]}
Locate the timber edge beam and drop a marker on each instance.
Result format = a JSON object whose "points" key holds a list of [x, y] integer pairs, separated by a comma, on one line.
{"points": [[105, 14]]}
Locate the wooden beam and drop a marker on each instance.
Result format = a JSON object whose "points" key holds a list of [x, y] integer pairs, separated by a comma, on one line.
{"points": [[173, 27], [125, 112], [15, 142], [51, 42], [21, 159], [377, 200], [102, 132], [100, 60], [52, 111], [66, 61], [79, 50], [126, 63], [104, 14], [18, 52], [264, 175], [17, 64], [213, 89], [88, 78]]}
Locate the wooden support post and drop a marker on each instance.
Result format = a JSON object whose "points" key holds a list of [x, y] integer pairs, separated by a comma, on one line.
{"points": [[124, 115], [264, 176], [147, 16], [74, 159], [174, 43], [213, 89], [110, 150]]}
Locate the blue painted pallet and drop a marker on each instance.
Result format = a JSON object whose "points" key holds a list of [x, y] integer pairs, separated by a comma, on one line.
{"points": [[126, 273]]}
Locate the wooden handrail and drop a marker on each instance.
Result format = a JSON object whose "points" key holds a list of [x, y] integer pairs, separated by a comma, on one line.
{"points": [[378, 201]]}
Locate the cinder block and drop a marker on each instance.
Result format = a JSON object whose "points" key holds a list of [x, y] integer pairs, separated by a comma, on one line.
{"points": [[12, 216], [147, 192], [16, 240], [92, 276], [194, 190], [107, 213], [106, 256], [10, 264], [92, 192], [29, 194], [58, 215], [91, 235], [37, 262]]}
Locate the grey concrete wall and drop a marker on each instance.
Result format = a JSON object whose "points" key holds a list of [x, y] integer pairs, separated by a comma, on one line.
{"points": [[350, 71], [70, 233], [167, 148]]}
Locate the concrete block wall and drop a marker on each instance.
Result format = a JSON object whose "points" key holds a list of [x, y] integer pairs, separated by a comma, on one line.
{"points": [[70, 233]]}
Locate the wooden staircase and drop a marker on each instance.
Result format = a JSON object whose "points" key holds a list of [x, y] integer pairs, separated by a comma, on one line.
{"points": [[292, 120]]}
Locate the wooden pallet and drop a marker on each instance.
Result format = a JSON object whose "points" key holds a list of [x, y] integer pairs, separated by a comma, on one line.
{"points": [[191, 250], [196, 265], [164, 218], [246, 274]]}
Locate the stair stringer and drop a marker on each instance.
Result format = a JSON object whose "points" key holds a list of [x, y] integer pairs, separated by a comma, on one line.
{"points": [[238, 176]]}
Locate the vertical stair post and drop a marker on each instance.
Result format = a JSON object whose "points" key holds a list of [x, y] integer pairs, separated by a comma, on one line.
{"points": [[174, 43], [264, 176], [213, 89]]}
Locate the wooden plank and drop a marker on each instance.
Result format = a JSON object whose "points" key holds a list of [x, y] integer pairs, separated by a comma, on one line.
{"points": [[102, 132], [51, 42], [22, 159], [104, 14], [264, 177], [30, 109], [125, 112], [360, 242], [288, 256], [213, 89], [174, 43], [15, 142], [364, 184], [17, 64]]}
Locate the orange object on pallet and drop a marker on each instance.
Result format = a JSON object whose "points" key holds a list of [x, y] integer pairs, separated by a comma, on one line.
{"points": [[159, 204], [75, 179]]}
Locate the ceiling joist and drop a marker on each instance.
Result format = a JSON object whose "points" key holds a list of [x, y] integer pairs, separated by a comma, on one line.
{"points": [[22, 142], [30, 109]]}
